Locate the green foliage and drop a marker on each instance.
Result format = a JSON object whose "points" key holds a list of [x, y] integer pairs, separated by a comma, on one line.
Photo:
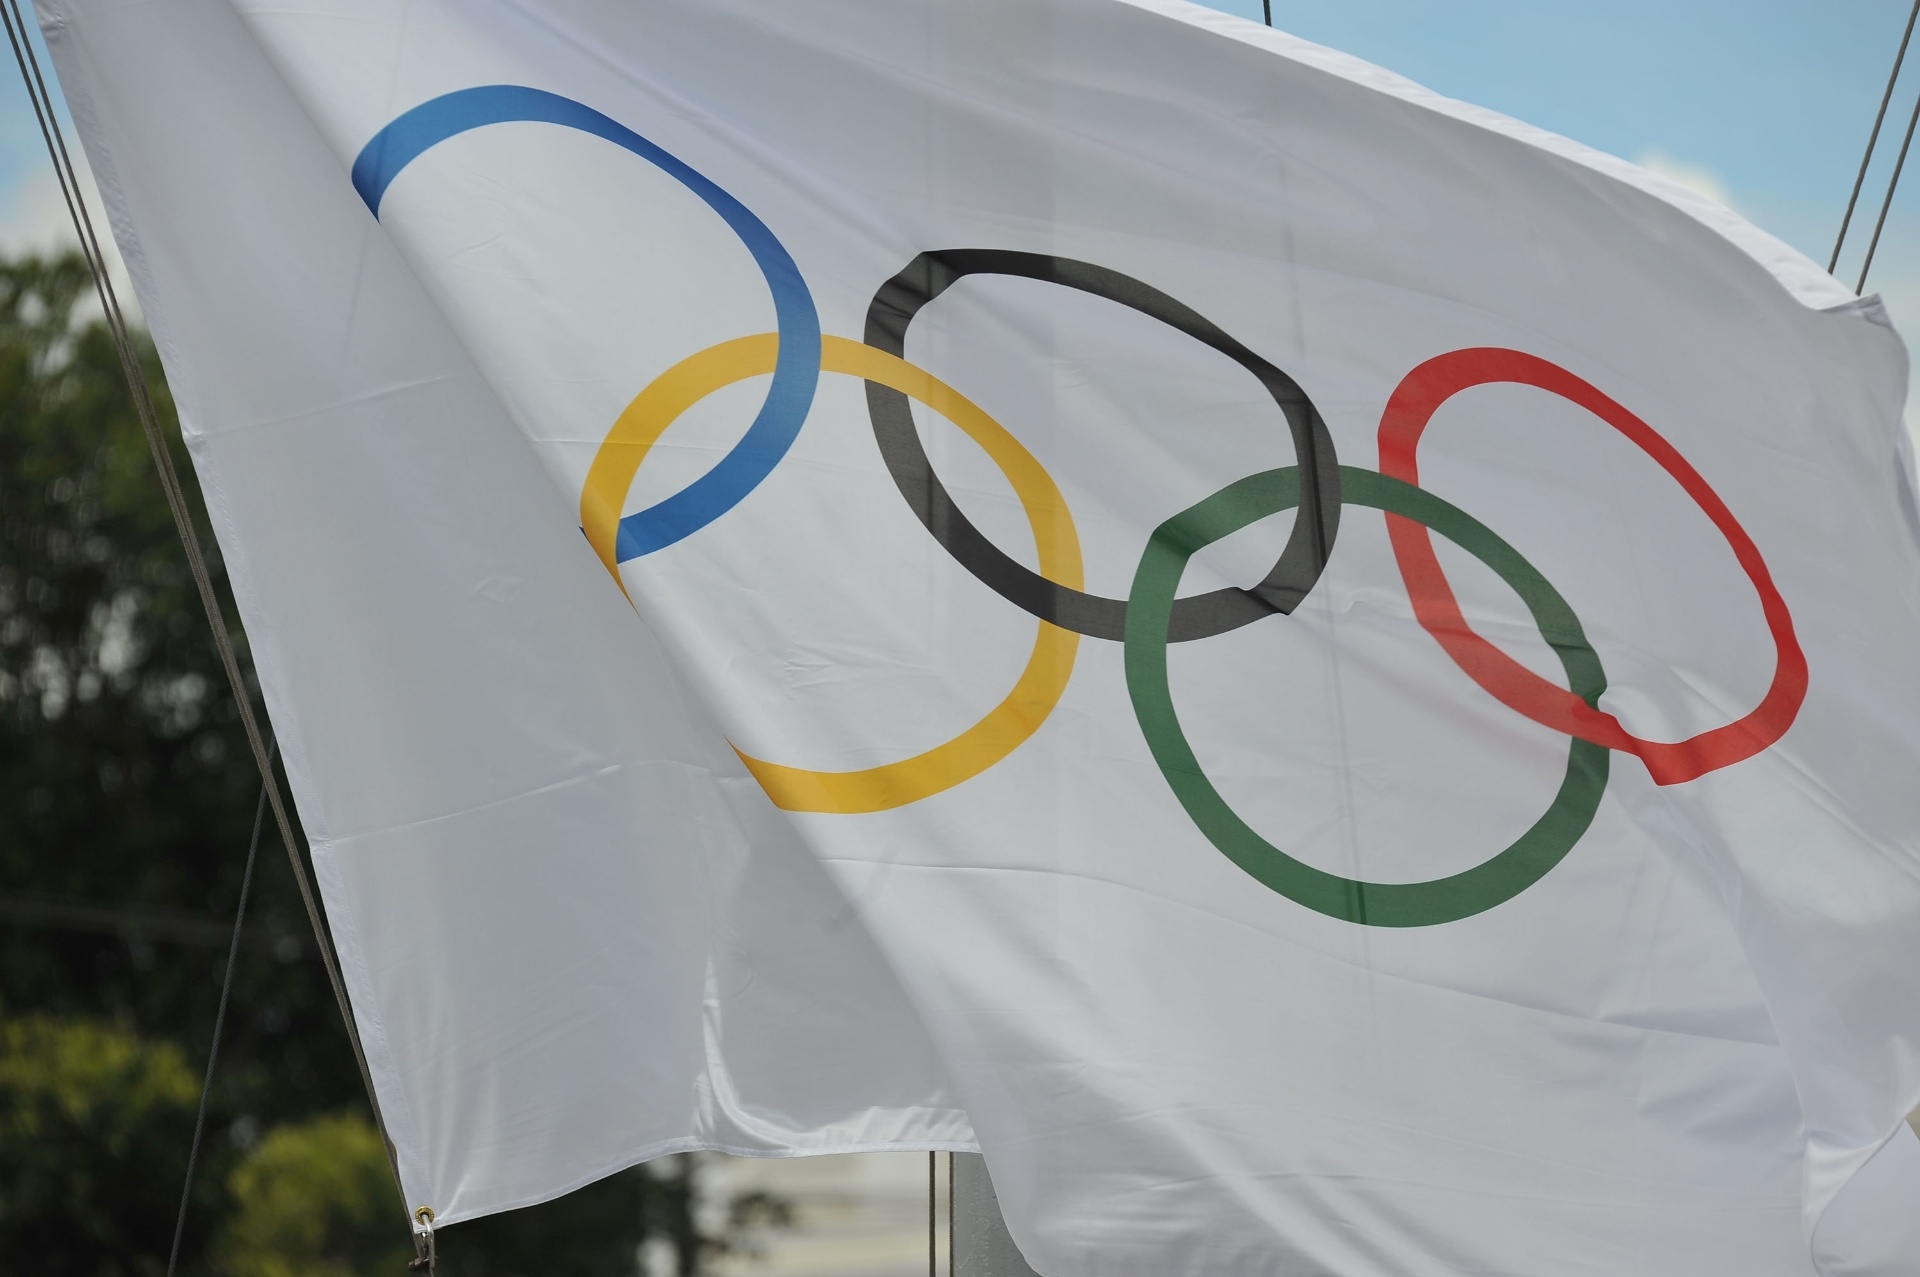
{"points": [[87, 1115], [315, 1199]]}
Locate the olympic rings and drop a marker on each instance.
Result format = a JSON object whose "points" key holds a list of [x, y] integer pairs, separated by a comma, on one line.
{"points": [[1152, 616], [1041, 683], [1411, 407], [1377, 904], [1203, 616], [797, 369]]}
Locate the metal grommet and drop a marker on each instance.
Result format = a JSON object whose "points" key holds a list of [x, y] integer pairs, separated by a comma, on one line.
{"points": [[424, 1254]]}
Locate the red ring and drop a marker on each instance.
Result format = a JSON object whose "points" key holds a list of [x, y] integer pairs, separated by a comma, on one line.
{"points": [[1415, 400]]}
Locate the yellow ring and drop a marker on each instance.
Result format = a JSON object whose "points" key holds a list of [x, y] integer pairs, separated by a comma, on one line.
{"points": [[1040, 685]]}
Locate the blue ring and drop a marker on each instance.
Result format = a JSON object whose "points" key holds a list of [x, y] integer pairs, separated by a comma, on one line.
{"points": [[796, 369]]}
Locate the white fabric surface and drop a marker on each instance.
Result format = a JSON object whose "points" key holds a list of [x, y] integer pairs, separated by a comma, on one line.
{"points": [[577, 934]]}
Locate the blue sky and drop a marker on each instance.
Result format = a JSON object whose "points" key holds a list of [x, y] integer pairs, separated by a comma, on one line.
{"points": [[1765, 102]]}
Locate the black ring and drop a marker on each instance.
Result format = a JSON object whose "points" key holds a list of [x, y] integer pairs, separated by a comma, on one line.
{"points": [[1195, 617]]}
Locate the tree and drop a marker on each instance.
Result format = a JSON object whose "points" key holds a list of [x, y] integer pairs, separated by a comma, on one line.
{"points": [[315, 1199], [87, 1112]]}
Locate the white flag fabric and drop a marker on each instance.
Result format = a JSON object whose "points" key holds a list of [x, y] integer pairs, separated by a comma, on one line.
{"points": [[1327, 678]]}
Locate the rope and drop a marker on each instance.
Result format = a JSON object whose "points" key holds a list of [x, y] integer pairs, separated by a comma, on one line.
{"points": [[220, 1019], [1893, 184], [1873, 140], [51, 134]]}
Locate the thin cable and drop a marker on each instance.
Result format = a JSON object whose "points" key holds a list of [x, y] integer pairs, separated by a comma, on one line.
{"points": [[932, 1247], [1893, 184], [220, 1019], [1266, 10], [1873, 139], [55, 140]]}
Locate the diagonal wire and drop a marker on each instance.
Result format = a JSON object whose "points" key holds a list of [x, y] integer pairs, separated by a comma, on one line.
{"points": [[52, 135], [1266, 10], [220, 1018], [1873, 139], [1893, 184]]}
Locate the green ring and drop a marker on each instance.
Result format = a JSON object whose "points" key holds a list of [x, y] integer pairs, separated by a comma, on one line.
{"points": [[1373, 904]]}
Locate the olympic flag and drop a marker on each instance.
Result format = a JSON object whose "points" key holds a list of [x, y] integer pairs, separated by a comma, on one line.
{"points": [[1326, 677]]}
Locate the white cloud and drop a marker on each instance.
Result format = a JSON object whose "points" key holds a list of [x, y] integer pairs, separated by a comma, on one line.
{"points": [[35, 220], [1697, 178]]}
